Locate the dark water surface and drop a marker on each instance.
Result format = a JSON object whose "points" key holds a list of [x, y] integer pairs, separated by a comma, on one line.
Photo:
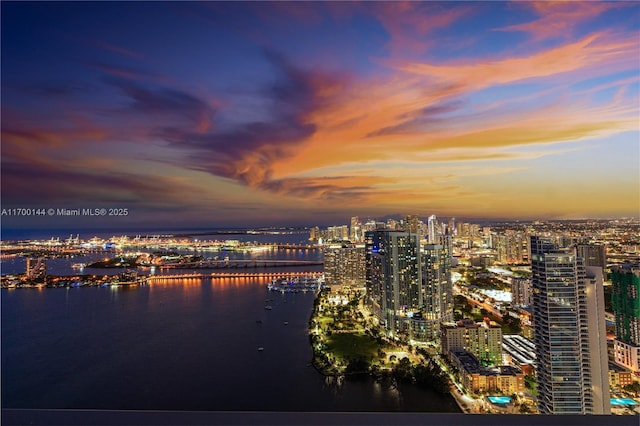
{"points": [[179, 345]]}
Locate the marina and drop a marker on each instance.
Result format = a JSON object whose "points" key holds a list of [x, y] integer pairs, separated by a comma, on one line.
{"points": [[302, 283]]}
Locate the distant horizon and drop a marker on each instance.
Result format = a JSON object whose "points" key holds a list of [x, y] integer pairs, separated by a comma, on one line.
{"points": [[9, 233]]}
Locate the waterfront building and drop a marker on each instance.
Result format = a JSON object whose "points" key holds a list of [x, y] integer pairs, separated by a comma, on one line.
{"points": [[344, 265], [338, 233], [36, 268], [569, 326], [314, 234], [408, 287], [477, 379], [484, 340], [625, 300]]}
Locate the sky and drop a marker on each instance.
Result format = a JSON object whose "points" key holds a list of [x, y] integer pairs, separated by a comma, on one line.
{"points": [[229, 114]]}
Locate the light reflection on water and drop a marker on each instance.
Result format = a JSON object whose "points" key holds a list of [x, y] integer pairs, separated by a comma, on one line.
{"points": [[188, 344]]}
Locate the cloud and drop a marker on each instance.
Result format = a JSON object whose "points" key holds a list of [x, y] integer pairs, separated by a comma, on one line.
{"points": [[247, 151], [559, 19], [116, 49], [163, 101], [46, 181], [591, 51], [421, 120], [411, 25], [125, 72]]}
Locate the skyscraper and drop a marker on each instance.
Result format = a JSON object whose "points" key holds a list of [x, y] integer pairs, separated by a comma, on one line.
{"points": [[355, 231], [437, 287], [570, 339], [431, 224], [593, 254], [408, 286], [344, 265], [625, 300]]}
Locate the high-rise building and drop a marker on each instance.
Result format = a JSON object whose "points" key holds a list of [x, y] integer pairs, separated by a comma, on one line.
{"points": [[355, 232], [569, 329], [625, 300], [431, 227], [437, 286], [338, 233], [408, 287], [344, 265], [521, 291], [412, 223], [510, 247], [593, 254], [314, 233], [484, 340], [36, 269]]}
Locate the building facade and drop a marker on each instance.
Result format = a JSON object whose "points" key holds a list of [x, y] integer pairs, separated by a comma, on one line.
{"points": [[625, 301], [569, 330], [477, 379], [484, 340], [344, 265], [408, 286]]}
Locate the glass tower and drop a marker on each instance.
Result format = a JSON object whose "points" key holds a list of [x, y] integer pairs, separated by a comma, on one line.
{"points": [[568, 315]]}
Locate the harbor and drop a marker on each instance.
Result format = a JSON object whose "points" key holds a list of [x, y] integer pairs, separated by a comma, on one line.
{"points": [[298, 284]]}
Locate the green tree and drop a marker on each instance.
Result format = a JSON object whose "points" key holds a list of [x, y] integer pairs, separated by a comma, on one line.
{"points": [[633, 388], [402, 370]]}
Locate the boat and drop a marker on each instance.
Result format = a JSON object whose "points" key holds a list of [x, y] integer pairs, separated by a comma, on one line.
{"points": [[286, 323], [259, 321], [260, 349], [268, 307]]}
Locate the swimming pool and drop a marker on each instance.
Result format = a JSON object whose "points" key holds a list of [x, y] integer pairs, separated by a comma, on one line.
{"points": [[499, 399], [623, 401]]}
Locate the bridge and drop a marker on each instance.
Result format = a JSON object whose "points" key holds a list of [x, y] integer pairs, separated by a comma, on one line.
{"points": [[297, 247], [235, 264], [215, 275]]}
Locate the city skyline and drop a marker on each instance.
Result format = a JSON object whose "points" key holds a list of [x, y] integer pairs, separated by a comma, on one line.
{"points": [[258, 114]]}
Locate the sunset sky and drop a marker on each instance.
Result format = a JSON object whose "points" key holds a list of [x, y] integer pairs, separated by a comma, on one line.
{"points": [[255, 114]]}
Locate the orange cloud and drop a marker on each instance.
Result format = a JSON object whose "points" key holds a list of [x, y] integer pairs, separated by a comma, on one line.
{"points": [[589, 52], [558, 18]]}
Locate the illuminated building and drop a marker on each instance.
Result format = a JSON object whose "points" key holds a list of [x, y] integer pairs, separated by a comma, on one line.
{"points": [[570, 339], [481, 339], [593, 254], [521, 291], [431, 226], [36, 269], [355, 231], [475, 378], [412, 224], [344, 265], [511, 247], [625, 301], [436, 285], [408, 287]]}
